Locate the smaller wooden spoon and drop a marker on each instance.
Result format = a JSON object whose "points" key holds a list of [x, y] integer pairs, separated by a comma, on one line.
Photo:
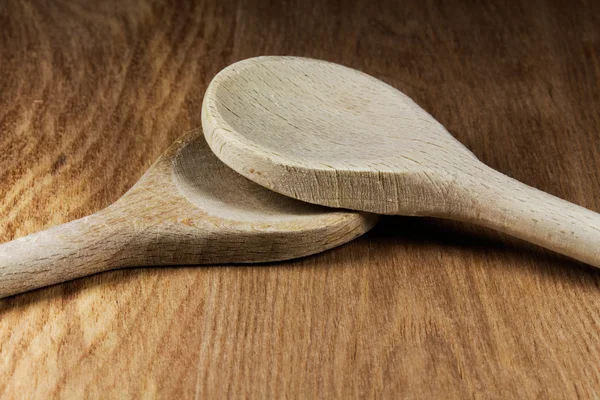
{"points": [[331, 135], [189, 208]]}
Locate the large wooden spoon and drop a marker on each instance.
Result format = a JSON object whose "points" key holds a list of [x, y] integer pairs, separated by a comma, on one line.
{"points": [[189, 208], [331, 135]]}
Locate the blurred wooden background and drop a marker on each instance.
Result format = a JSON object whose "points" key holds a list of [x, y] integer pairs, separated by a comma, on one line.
{"points": [[91, 93]]}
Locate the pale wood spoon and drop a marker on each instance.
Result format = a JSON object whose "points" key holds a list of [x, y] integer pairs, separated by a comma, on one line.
{"points": [[189, 208], [331, 135]]}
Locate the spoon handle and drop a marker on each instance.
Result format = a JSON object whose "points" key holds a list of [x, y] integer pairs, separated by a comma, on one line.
{"points": [[79, 248], [507, 205]]}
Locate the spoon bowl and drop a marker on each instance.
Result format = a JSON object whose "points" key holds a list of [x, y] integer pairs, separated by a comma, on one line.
{"points": [[331, 135], [188, 209], [283, 121]]}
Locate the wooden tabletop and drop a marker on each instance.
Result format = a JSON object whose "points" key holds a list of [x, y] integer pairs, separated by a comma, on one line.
{"points": [[91, 93]]}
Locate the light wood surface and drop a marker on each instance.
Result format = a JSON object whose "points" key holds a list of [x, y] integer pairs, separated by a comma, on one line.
{"points": [[91, 93], [331, 135], [188, 209]]}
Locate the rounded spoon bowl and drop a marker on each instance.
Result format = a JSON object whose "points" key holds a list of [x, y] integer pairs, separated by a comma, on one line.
{"points": [[331, 135], [188, 209]]}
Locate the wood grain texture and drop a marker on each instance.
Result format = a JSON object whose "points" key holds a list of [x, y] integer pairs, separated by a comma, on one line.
{"points": [[91, 93], [188, 209], [331, 135]]}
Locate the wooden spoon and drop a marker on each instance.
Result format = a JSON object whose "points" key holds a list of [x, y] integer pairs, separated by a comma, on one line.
{"points": [[331, 135], [189, 208]]}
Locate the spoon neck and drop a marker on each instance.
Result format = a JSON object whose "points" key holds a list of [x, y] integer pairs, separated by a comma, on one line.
{"points": [[111, 238], [497, 201], [64, 252]]}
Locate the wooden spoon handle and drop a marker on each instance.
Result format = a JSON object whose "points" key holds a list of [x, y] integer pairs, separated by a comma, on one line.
{"points": [[505, 204], [61, 253]]}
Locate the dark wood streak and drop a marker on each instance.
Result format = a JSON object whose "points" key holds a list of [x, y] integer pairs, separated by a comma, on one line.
{"points": [[91, 93]]}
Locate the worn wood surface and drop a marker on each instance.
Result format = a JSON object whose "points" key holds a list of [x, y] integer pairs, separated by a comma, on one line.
{"points": [[331, 135], [91, 93], [188, 209]]}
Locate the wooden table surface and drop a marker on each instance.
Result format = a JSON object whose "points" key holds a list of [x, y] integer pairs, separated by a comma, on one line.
{"points": [[91, 93]]}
